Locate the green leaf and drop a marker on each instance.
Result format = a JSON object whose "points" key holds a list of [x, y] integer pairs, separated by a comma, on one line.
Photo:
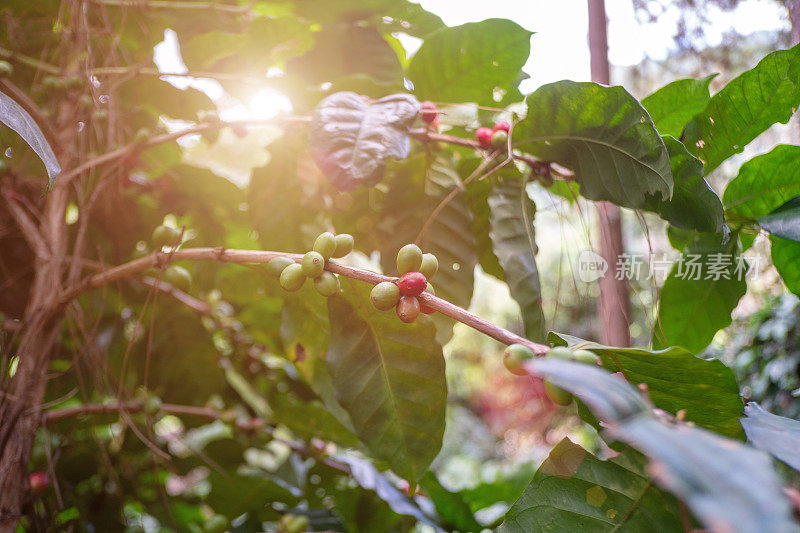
{"points": [[745, 107], [16, 118], [604, 135], [514, 242], [693, 305], [764, 183], [389, 376], [228, 498], [467, 63], [784, 221], [676, 380], [451, 506], [575, 491], [351, 138], [477, 196], [694, 204], [786, 258], [776, 435], [674, 104]]}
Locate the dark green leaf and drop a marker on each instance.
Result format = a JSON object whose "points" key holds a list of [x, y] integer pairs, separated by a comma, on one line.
{"points": [[786, 258], [777, 435], [784, 221], [466, 63], [745, 107], [389, 376], [451, 506], [477, 196], [514, 243], [16, 118], [765, 183], [604, 135], [694, 204], [228, 498], [676, 380], [575, 491], [351, 138], [674, 104]]}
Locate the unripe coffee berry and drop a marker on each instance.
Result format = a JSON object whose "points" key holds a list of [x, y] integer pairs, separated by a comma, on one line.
{"points": [[178, 277], [412, 283], [429, 266], [385, 295], [515, 356], [327, 284], [325, 244], [428, 111], [484, 137], [344, 245], [165, 236], [585, 356], [277, 264], [561, 352], [313, 264], [500, 139], [409, 259], [408, 309], [216, 524], [292, 277], [557, 394], [501, 125]]}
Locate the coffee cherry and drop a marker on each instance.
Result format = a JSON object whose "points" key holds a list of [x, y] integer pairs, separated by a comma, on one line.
{"points": [[178, 277], [428, 111], [292, 277], [216, 524], [429, 266], [408, 309], [39, 481], [313, 264], [501, 125], [424, 308], [409, 259], [514, 357], [385, 295], [557, 394], [412, 283], [561, 352], [152, 405], [344, 245], [276, 266], [6, 69], [484, 137], [165, 236], [325, 244], [327, 284], [435, 125], [585, 356], [500, 139]]}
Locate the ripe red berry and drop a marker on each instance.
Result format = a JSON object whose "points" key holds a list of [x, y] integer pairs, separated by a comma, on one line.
{"points": [[502, 125], [39, 481], [428, 111], [435, 124], [484, 137], [412, 283]]}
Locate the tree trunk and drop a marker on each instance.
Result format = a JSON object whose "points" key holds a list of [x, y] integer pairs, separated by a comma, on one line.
{"points": [[613, 306]]}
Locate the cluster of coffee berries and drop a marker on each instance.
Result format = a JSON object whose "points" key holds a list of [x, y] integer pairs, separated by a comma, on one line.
{"points": [[293, 275], [175, 275], [516, 355], [496, 137], [415, 270], [430, 114]]}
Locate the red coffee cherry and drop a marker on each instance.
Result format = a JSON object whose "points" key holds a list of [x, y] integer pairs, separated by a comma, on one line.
{"points": [[502, 125], [412, 283], [484, 137], [428, 111], [39, 481], [408, 309]]}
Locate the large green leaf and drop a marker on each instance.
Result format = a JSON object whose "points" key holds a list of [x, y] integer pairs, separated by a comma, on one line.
{"points": [[514, 243], [389, 376], [604, 135], [676, 380], [467, 63], [694, 204], [575, 491], [451, 506], [745, 107], [777, 435], [765, 183], [477, 196], [786, 258], [784, 221], [674, 104], [693, 305], [16, 118], [352, 138]]}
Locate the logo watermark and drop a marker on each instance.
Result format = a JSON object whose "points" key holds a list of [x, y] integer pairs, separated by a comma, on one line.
{"points": [[643, 267]]}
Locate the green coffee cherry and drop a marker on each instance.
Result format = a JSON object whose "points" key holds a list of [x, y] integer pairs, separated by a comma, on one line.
{"points": [[325, 245], [165, 236], [216, 524], [429, 266], [344, 245], [6, 69], [276, 265], [585, 356], [152, 405], [409, 259], [327, 284], [313, 264], [178, 277], [515, 356], [561, 352], [385, 295], [292, 277], [500, 139], [557, 394]]}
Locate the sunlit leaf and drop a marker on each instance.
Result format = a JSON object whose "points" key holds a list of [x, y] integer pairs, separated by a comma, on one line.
{"points": [[674, 104], [16, 118]]}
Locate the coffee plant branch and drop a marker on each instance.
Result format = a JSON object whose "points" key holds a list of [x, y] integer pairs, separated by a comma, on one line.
{"points": [[225, 255]]}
